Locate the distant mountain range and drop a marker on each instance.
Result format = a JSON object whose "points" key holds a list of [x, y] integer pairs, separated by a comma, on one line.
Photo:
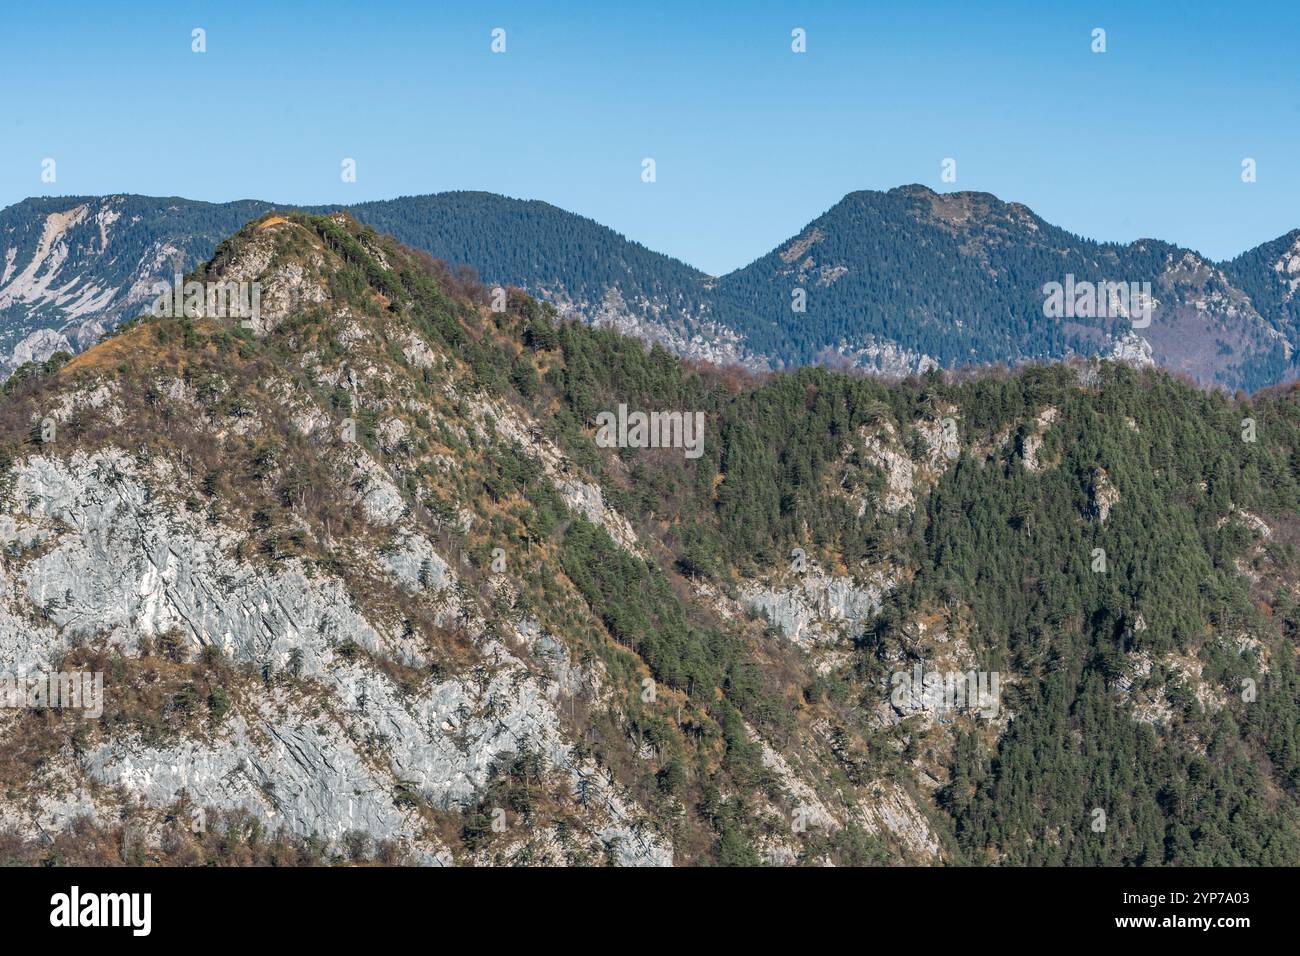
{"points": [[365, 581], [892, 282]]}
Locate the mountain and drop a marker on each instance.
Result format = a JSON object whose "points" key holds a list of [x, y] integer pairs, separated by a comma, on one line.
{"points": [[959, 278], [74, 267], [893, 282], [382, 574]]}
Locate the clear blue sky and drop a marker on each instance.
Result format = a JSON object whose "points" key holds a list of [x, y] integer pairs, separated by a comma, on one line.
{"points": [[751, 140]]}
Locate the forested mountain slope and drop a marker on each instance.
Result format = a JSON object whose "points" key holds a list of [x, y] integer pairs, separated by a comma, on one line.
{"points": [[959, 278], [365, 580], [587, 270]]}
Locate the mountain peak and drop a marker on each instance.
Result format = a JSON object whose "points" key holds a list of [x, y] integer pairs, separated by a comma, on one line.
{"points": [[912, 189]]}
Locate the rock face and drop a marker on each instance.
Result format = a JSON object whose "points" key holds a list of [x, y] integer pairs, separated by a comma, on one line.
{"points": [[115, 565], [1133, 350], [1033, 442], [658, 322], [1103, 494], [893, 812], [885, 452], [817, 608], [1287, 268], [39, 346]]}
